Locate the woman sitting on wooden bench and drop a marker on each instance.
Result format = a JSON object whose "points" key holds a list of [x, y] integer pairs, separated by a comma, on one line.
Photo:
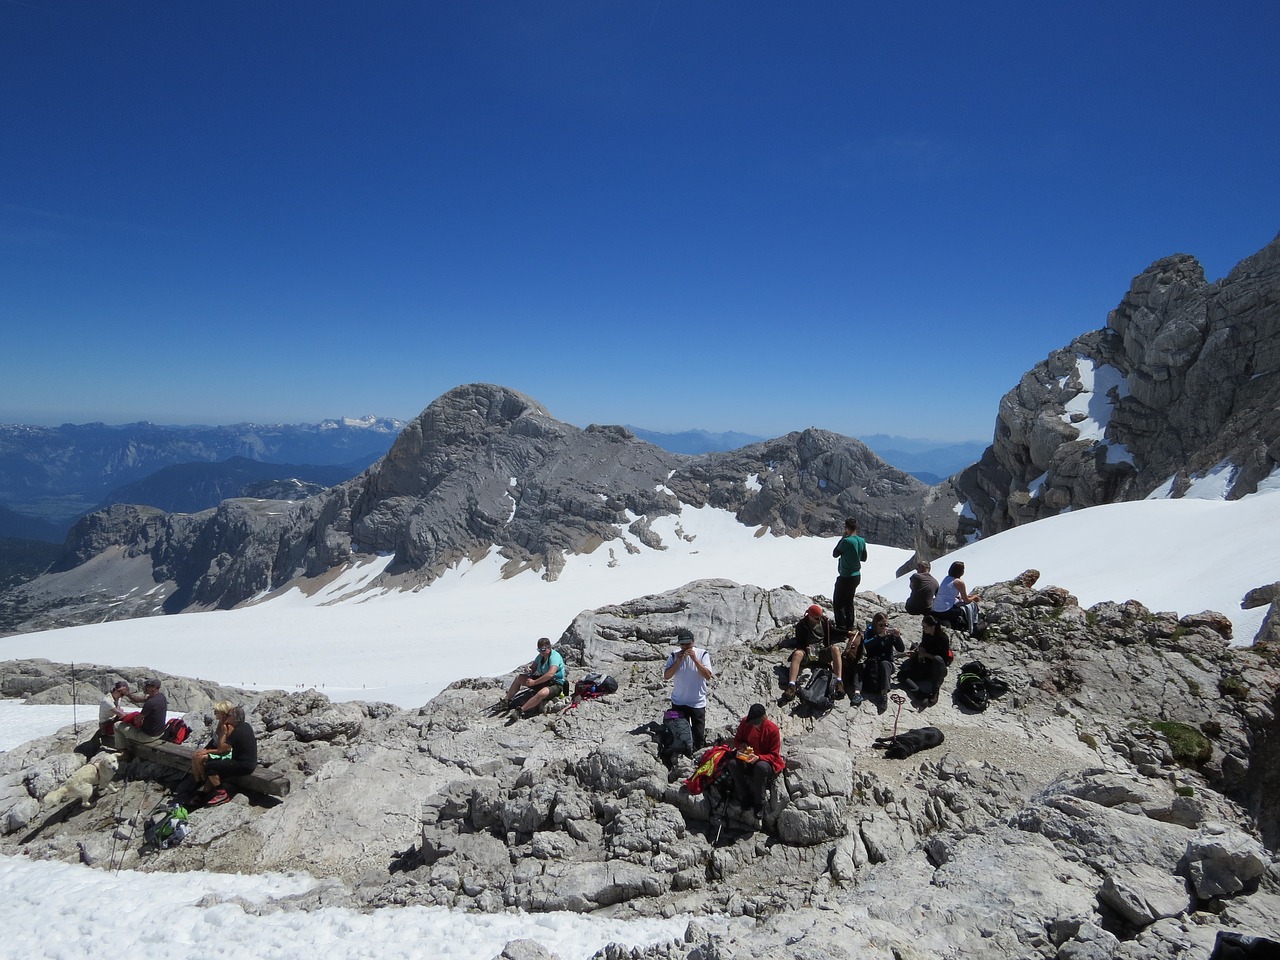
{"points": [[231, 752]]}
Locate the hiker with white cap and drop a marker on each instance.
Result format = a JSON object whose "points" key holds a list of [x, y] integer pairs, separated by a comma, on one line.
{"points": [[689, 670]]}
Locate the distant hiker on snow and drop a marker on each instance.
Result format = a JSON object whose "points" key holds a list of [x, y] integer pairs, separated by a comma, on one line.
{"points": [[815, 644], [689, 669], [954, 605], [155, 711], [924, 588], [757, 758], [850, 551], [232, 751], [545, 676]]}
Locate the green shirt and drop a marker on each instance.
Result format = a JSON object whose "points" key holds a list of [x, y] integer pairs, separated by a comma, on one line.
{"points": [[851, 551]]}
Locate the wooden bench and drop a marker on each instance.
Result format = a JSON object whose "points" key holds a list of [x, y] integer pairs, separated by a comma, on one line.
{"points": [[177, 756]]}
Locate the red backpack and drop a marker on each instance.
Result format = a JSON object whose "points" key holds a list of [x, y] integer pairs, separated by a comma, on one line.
{"points": [[176, 731]]}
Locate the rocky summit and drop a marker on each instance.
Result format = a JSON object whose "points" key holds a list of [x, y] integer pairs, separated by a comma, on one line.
{"points": [[483, 468], [1181, 386], [1119, 801]]}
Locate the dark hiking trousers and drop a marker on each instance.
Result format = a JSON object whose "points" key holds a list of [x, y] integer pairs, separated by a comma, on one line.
{"points": [[750, 781], [842, 601], [697, 717]]}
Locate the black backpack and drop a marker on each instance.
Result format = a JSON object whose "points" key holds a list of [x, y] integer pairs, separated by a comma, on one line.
{"points": [[675, 739], [593, 686], [819, 693], [978, 684]]}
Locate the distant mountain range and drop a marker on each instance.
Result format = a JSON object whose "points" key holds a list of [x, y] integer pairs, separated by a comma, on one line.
{"points": [[930, 461], [49, 476]]}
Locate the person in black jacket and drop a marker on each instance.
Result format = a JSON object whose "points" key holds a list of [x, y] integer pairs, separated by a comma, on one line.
{"points": [[881, 642], [926, 667]]}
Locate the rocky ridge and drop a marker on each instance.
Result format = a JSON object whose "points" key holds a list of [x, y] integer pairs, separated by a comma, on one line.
{"points": [[482, 468], [1118, 802], [1182, 384]]}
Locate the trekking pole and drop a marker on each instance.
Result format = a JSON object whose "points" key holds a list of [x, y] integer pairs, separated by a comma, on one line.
{"points": [[899, 699], [124, 789], [132, 828], [75, 719]]}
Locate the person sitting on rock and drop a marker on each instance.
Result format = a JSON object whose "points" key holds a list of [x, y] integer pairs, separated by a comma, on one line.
{"points": [[949, 606], [926, 667], [109, 712], [924, 589], [757, 759], [155, 713], [232, 751], [545, 676], [880, 643], [815, 643]]}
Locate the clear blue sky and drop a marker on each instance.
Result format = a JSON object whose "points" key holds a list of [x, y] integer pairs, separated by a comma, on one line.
{"points": [[725, 214]]}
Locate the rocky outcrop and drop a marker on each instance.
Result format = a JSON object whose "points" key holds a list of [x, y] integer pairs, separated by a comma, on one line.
{"points": [[483, 468], [1119, 801], [1182, 386]]}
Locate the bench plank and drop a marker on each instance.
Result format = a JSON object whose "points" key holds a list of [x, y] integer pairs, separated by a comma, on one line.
{"points": [[177, 756]]}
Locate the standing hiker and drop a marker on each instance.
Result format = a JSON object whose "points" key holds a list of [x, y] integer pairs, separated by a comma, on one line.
{"points": [[689, 669], [850, 552]]}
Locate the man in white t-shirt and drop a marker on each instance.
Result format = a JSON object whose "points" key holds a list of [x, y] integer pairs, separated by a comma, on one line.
{"points": [[689, 669]]}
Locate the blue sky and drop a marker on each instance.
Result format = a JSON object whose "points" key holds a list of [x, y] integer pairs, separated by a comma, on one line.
{"points": [[721, 214]]}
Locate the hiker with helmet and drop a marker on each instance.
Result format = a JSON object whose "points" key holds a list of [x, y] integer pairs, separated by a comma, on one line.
{"points": [[689, 670], [757, 758], [850, 552], [815, 643], [545, 676], [155, 711], [232, 751]]}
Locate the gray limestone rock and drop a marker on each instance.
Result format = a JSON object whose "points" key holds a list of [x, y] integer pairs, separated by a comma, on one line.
{"points": [[1181, 381], [1061, 803]]}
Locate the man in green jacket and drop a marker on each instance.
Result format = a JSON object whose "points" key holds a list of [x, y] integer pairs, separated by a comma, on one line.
{"points": [[850, 551]]}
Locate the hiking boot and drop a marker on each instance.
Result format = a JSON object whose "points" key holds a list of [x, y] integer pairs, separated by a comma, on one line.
{"points": [[789, 694], [218, 796], [839, 689], [856, 699]]}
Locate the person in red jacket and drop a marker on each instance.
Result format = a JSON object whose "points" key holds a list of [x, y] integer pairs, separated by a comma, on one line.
{"points": [[757, 758]]}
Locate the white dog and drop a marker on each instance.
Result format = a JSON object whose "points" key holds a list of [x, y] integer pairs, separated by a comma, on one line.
{"points": [[86, 784]]}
